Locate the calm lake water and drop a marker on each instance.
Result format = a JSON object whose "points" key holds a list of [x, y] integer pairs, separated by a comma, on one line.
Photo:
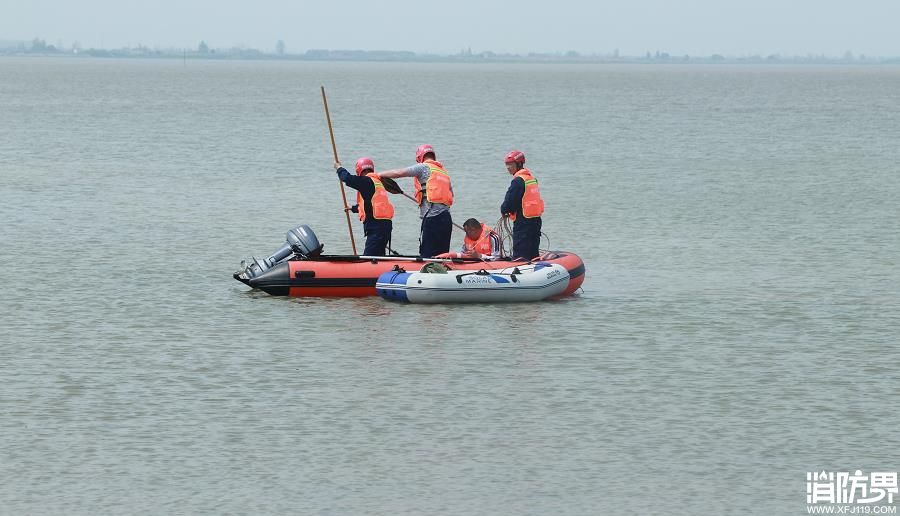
{"points": [[738, 326]]}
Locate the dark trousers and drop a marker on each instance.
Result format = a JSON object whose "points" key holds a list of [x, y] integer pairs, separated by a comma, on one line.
{"points": [[435, 237], [378, 236], [526, 237]]}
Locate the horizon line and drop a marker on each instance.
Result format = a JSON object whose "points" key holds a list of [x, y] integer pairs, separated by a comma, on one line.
{"points": [[42, 45], [407, 55]]}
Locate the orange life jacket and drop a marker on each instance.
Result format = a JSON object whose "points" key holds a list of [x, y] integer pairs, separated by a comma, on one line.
{"points": [[532, 204], [483, 244], [437, 188], [382, 208]]}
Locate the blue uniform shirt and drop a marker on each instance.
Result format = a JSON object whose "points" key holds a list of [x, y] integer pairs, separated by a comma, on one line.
{"points": [[364, 186], [512, 203]]}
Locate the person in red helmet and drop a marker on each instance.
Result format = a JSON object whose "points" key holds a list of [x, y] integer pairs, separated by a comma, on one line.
{"points": [[372, 203], [524, 206], [434, 193]]}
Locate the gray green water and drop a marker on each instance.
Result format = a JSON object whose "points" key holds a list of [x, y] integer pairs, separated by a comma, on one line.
{"points": [[738, 326]]}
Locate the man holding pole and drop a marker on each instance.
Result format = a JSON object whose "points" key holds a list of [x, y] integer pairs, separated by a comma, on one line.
{"points": [[372, 203]]}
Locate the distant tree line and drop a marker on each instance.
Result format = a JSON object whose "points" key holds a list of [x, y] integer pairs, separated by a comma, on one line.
{"points": [[39, 46], [279, 51]]}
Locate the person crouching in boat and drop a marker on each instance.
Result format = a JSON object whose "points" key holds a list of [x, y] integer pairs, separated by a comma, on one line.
{"points": [[481, 242], [434, 195], [524, 206], [372, 203]]}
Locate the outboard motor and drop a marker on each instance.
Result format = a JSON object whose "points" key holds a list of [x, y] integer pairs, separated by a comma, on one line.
{"points": [[301, 241]]}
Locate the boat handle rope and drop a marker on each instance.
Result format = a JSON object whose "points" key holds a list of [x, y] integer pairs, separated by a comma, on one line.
{"points": [[482, 272]]}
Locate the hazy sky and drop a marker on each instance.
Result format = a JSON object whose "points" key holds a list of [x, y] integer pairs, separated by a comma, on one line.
{"points": [[695, 27]]}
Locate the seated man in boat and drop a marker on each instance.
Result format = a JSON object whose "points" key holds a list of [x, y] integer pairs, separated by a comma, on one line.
{"points": [[481, 242], [524, 206], [434, 194], [372, 203]]}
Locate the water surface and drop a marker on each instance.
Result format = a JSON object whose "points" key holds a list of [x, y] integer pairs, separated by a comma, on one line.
{"points": [[738, 325]]}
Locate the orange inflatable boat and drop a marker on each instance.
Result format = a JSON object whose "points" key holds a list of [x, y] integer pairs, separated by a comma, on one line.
{"points": [[299, 269]]}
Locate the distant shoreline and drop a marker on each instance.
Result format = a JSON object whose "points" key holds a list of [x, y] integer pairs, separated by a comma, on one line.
{"points": [[467, 58]]}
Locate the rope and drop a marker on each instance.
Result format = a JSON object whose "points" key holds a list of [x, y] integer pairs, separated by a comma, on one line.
{"points": [[503, 227], [544, 235]]}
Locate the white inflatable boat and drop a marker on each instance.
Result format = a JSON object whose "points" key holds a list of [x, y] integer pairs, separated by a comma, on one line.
{"points": [[523, 283]]}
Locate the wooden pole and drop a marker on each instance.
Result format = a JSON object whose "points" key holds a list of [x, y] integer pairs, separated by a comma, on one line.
{"points": [[338, 162]]}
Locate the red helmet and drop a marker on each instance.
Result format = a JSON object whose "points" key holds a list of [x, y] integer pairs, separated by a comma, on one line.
{"points": [[515, 157], [422, 151], [364, 164]]}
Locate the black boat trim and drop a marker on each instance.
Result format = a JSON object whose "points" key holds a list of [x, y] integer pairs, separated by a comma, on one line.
{"points": [[577, 271], [319, 283]]}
